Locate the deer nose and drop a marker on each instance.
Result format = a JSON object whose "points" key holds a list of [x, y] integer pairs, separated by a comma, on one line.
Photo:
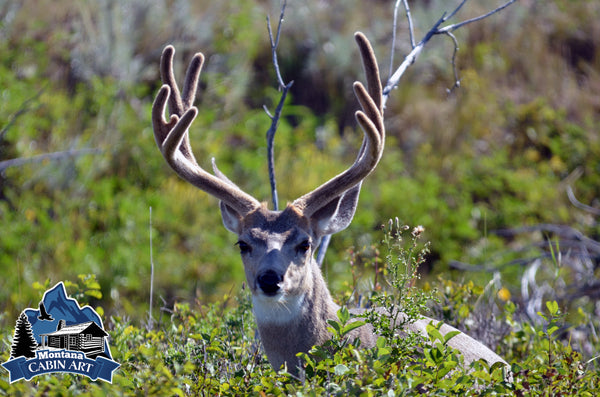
{"points": [[268, 282]]}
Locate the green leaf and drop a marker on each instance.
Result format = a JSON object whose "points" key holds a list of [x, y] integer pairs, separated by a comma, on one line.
{"points": [[335, 326], [94, 293], [352, 326], [382, 352], [434, 333], [552, 308], [429, 356], [340, 369], [552, 329], [343, 315], [446, 367], [450, 335], [542, 315], [177, 391]]}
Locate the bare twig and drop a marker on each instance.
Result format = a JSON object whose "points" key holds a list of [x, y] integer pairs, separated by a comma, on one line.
{"points": [[408, 60], [394, 31], [25, 107], [411, 32], [579, 204], [275, 43], [456, 10], [277, 115], [47, 156], [565, 232], [568, 240], [411, 29], [454, 68], [455, 26], [435, 30], [150, 319]]}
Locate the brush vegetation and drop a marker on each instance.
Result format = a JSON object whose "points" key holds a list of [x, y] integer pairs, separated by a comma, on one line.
{"points": [[487, 170]]}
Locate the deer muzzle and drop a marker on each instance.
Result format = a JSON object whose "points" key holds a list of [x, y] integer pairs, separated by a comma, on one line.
{"points": [[269, 281]]}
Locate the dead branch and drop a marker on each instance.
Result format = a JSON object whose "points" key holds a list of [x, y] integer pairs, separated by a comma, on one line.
{"points": [[25, 107], [579, 204], [565, 233], [277, 115], [20, 161], [150, 318], [437, 29]]}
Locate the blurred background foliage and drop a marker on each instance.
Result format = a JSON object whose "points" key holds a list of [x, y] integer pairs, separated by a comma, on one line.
{"points": [[473, 166]]}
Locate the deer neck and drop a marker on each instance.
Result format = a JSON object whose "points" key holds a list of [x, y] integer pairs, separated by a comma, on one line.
{"points": [[295, 323]]}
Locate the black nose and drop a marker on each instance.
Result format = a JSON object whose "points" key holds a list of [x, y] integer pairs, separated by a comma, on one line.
{"points": [[268, 281]]}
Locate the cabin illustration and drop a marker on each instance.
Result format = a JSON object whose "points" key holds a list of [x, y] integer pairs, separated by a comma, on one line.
{"points": [[85, 337]]}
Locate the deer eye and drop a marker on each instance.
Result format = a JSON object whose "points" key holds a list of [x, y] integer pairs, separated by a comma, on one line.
{"points": [[244, 247], [303, 247]]}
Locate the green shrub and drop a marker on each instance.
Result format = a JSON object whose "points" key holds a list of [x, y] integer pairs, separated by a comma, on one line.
{"points": [[213, 349]]}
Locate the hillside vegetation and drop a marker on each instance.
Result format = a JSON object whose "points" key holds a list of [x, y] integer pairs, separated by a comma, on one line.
{"points": [[503, 172]]}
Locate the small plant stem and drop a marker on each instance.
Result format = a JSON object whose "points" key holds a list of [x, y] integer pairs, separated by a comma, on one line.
{"points": [[150, 319]]}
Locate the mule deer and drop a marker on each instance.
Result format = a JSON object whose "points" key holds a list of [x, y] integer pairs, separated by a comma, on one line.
{"points": [[291, 301]]}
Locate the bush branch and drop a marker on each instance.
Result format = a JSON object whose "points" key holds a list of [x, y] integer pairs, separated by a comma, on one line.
{"points": [[150, 318], [277, 115], [435, 30], [579, 204], [25, 107], [47, 156]]}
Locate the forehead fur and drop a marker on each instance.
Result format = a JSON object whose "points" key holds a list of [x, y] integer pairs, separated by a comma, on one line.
{"points": [[276, 221]]}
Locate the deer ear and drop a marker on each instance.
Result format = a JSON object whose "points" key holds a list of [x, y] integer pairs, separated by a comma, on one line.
{"points": [[231, 218], [337, 214]]}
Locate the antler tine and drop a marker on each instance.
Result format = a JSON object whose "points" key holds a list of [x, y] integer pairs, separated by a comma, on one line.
{"points": [[178, 104], [370, 118], [374, 88], [172, 136], [371, 69]]}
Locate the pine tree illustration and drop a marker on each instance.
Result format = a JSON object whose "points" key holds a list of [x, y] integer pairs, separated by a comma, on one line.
{"points": [[24, 344]]}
